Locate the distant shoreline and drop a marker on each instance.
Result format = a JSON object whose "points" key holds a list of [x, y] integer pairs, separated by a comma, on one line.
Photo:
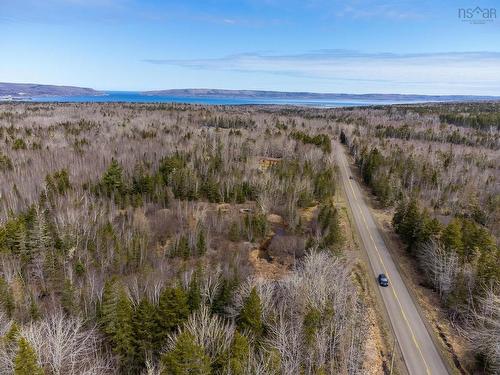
{"points": [[137, 98], [38, 92], [260, 94]]}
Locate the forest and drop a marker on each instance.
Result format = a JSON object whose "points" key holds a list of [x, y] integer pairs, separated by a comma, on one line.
{"points": [[127, 233], [125, 238]]}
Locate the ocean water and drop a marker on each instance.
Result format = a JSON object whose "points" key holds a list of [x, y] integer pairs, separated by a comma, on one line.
{"points": [[136, 97]]}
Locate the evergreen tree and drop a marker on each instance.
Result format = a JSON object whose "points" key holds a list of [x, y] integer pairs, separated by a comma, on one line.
{"points": [[223, 296], [68, 298], [239, 354], [112, 181], [409, 225], [184, 184], [142, 182], [186, 358], [452, 236], [343, 137], [34, 310], [476, 240], [116, 316], [370, 165], [182, 248], [328, 219], [250, 317], [23, 249], [255, 225], [201, 244], [399, 215], [108, 307], [324, 184], [172, 310], [458, 296], [170, 164], [6, 298], [52, 270], [10, 234], [144, 327], [37, 239], [123, 336], [194, 292], [11, 337], [61, 181], [210, 189], [488, 268], [312, 322], [26, 361], [426, 228]]}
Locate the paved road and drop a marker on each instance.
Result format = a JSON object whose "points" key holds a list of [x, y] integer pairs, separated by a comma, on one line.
{"points": [[419, 352]]}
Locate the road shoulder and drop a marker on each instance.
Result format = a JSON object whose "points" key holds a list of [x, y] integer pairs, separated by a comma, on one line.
{"points": [[451, 346]]}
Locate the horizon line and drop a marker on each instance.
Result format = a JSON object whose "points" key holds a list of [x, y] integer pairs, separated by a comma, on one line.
{"points": [[275, 91]]}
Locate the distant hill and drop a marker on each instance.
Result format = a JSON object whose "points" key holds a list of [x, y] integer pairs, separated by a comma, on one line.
{"points": [[22, 90], [256, 94]]}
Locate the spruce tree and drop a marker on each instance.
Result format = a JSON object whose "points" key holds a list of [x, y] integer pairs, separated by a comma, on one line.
{"points": [[34, 310], [26, 361], [312, 322], [488, 268], [452, 236], [201, 244], [410, 226], [332, 236], [186, 358], [250, 317], [172, 310], [116, 315], [6, 298], [239, 354], [223, 296], [399, 215], [68, 298], [144, 326], [182, 249], [194, 292], [12, 335], [112, 181], [108, 308], [123, 335]]}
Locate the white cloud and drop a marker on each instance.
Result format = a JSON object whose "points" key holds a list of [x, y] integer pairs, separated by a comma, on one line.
{"points": [[447, 73]]}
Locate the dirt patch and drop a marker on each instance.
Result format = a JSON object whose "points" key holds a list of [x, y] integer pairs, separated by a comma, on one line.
{"points": [[268, 264], [375, 360], [274, 219], [223, 207], [456, 361], [307, 214], [348, 235], [264, 268], [266, 163]]}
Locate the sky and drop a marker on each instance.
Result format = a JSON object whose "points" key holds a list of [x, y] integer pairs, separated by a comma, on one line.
{"points": [[351, 46]]}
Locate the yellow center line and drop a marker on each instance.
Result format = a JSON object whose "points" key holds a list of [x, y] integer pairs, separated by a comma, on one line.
{"points": [[387, 273]]}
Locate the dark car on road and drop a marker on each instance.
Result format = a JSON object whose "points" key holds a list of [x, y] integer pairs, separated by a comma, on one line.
{"points": [[383, 280]]}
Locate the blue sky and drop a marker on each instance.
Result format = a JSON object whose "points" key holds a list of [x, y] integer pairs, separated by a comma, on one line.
{"points": [[354, 46]]}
